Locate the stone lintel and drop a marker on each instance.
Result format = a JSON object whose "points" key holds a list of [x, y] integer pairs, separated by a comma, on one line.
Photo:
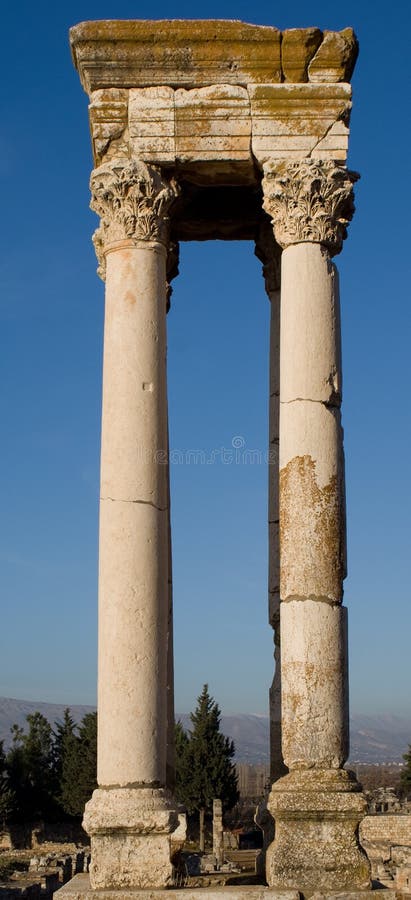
{"points": [[229, 125], [295, 121], [197, 53], [180, 53]]}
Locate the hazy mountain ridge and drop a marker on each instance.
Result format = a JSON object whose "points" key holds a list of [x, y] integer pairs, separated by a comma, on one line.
{"points": [[379, 738]]}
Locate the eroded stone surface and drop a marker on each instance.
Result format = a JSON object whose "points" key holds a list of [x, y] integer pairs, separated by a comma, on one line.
{"points": [[174, 52], [108, 112], [151, 116], [212, 123], [298, 47], [314, 707], [335, 59], [316, 835], [290, 120], [312, 516], [123, 63], [130, 837]]}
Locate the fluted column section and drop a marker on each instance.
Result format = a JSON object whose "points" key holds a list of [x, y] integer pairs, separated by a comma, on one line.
{"points": [[317, 806], [131, 815]]}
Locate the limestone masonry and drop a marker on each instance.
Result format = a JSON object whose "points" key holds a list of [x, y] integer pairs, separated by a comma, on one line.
{"points": [[201, 130]]}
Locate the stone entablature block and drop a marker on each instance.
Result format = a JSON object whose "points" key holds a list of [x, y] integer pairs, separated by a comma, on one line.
{"points": [[196, 53], [173, 92]]}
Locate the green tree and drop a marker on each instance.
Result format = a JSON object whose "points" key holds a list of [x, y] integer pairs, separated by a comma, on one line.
{"points": [[7, 796], [211, 772], [66, 763], [30, 772], [79, 771], [405, 783], [182, 763]]}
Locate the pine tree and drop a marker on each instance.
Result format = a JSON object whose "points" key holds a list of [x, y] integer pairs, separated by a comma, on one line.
{"points": [[211, 773], [29, 767], [66, 763], [405, 782], [182, 763], [80, 771]]}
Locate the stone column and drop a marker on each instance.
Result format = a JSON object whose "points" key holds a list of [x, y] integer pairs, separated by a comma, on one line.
{"points": [[269, 252], [171, 272], [218, 834], [131, 814], [318, 805]]}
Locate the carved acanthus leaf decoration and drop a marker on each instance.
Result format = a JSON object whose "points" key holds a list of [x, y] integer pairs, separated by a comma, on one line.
{"points": [[133, 201], [309, 200]]}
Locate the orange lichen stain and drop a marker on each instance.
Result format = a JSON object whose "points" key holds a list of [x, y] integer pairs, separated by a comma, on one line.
{"points": [[311, 532], [130, 298]]}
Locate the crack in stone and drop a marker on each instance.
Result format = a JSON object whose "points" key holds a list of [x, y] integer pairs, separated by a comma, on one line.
{"points": [[143, 502], [334, 402], [317, 599], [339, 119]]}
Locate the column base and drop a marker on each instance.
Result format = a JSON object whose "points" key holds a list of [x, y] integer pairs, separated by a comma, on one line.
{"points": [[316, 846], [130, 831]]}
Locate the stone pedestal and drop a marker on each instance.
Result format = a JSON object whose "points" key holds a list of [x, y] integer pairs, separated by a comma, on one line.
{"points": [[317, 813], [130, 837]]}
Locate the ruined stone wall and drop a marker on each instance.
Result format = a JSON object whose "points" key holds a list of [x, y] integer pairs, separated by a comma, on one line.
{"points": [[391, 829], [386, 840]]}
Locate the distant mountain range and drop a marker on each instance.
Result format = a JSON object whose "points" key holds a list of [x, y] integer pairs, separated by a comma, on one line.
{"points": [[374, 739]]}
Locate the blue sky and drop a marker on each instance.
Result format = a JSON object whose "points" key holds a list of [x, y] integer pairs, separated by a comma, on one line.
{"points": [[51, 318]]}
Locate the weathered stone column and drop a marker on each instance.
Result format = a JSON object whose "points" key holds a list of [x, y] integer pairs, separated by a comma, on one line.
{"points": [[268, 251], [218, 834], [172, 272], [131, 814], [318, 805]]}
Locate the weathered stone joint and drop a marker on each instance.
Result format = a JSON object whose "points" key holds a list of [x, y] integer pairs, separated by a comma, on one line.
{"points": [[309, 200], [133, 201]]}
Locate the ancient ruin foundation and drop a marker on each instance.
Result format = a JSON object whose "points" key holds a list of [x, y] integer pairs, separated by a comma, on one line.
{"points": [[200, 130]]}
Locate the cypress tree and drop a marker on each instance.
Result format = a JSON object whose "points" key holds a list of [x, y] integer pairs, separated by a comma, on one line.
{"points": [[182, 764], [66, 763], [211, 772]]}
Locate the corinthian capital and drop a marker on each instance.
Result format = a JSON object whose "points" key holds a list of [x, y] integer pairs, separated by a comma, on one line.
{"points": [[309, 200], [133, 200]]}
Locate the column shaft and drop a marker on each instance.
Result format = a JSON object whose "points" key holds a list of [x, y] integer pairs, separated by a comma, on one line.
{"points": [[277, 767], [314, 696], [133, 571], [312, 517]]}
